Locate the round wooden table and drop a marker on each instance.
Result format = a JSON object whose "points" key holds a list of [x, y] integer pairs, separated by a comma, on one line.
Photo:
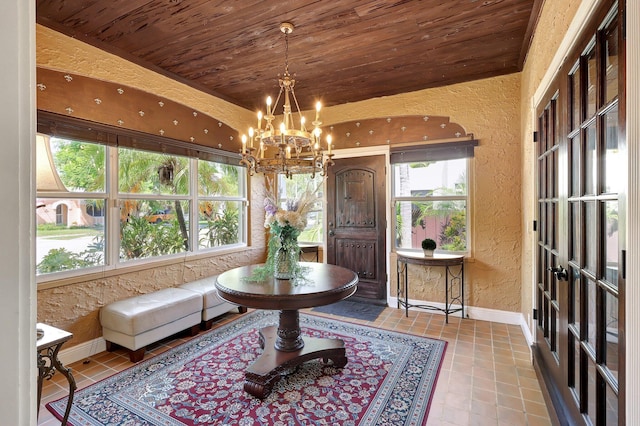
{"points": [[284, 347]]}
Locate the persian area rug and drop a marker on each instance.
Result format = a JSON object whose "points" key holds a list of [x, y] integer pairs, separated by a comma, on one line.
{"points": [[389, 380], [351, 309]]}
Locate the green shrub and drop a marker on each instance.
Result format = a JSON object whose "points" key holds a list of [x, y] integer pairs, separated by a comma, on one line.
{"points": [[61, 260], [222, 230], [454, 235], [140, 239]]}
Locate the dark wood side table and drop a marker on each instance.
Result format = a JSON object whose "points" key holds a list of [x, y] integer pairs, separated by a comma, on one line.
{"points": [[48, 347], [453, 286], [283, 346]]}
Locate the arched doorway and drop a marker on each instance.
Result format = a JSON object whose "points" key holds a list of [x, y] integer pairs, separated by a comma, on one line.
{"points": [[61, 214]]}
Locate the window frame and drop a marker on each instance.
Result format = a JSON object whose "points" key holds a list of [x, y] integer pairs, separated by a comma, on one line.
{"points": [[435, 152]]}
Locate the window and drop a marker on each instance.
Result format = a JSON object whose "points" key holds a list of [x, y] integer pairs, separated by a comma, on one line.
{"points": [[163, 205], [290, 189], [153, 200], [221, 203], [431, 196], [70, 231]]}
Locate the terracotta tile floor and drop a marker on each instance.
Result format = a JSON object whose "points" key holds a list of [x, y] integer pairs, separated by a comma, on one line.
{"points": [[486, 377]]}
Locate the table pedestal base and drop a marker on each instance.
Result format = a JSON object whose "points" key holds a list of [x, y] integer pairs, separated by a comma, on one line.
{"points": [[272, 364]]}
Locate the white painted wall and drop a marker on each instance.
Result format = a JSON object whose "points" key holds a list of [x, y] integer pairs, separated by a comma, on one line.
{"points": [[17, 280]]}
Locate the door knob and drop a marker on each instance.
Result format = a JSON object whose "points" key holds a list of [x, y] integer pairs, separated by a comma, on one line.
{"points": [[331, 233], [560, 273]]}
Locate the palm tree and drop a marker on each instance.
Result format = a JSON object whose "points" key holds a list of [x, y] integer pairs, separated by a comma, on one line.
{"points": [[146, 172], [403, 209], [175, 177], [216, 179]]}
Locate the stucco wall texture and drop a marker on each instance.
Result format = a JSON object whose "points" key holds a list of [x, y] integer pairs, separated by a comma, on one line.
{"points": [[489, 108]]}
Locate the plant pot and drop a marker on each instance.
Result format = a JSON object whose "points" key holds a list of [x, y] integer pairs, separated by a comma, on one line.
{"points": [[428, 253]]}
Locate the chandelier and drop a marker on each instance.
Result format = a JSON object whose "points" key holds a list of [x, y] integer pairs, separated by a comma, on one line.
{"points": [[286, 149]]}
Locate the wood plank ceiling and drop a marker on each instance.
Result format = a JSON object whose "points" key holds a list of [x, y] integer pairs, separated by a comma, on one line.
{"points": [[340, 51]]}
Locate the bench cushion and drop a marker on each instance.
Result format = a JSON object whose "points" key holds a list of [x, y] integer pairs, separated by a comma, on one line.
{"points": [[139, 314], [212, 304]]}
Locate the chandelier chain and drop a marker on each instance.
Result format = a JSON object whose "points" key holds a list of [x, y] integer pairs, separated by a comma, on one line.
{"points": [[286, 52]]}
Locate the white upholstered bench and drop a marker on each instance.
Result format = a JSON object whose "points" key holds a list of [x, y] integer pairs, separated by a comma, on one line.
{"points": [[212, 305], [138, 321]]}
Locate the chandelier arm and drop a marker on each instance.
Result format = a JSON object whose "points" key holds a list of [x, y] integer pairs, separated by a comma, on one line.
{"points": [[275, 104], [250, 161], [295, 101]]}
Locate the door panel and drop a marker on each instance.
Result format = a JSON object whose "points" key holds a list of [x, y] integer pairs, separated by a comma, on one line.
{"points": [[551, 288], [357, 255], [581, 226], [355, 222]]}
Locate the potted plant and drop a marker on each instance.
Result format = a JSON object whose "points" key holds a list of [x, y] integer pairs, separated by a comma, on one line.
{"points": [[428, 246]]}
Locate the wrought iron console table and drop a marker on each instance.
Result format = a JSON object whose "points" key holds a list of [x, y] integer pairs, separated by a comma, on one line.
{"points": [[454, 280]]}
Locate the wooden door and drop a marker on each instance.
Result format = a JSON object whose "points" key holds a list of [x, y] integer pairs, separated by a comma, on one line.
{"points": [[580, 259], [356, 191]]}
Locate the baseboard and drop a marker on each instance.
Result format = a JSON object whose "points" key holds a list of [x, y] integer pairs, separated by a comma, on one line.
{"points": [[527, 333], [473, 312], [82, 351], [494, 315]]}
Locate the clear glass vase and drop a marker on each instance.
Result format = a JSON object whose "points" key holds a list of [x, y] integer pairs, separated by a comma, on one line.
{"points": [[284, 263]]}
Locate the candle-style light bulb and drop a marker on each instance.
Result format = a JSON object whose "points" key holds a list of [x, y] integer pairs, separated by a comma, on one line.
{"points": [[329, 143], [259, 120], [282, 129], [288, 152], [244, 144], [251, 137], [268, 105], [316, 137], [302, 121], [318, 106]]}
